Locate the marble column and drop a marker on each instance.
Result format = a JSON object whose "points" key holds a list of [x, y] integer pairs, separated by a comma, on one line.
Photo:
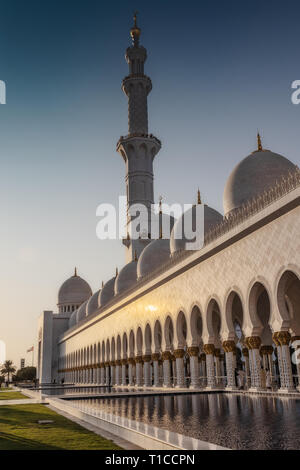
{"points": [[229, 348], [166, 357], [173, 370], [245, 352], [112, 372], [295, 340], [118, 372], [147, 370], [217, 359], [193, 352], [131, 363], [102, 374], [180, 378], [107, 373], [284, 339], [156, 379], [253, 343], [139, 371], [202, 370], [210, 365], [124, 378]]}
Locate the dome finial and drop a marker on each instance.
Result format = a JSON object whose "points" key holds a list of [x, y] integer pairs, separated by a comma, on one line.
{"points": [[102, 284], [160, 204], [135, 256], [199, 197], [135, 31], [75, 272], [259, 144], [117, 272]]}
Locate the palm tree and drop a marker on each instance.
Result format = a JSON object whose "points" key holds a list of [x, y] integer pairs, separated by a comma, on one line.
{"points": [[7, 369]]}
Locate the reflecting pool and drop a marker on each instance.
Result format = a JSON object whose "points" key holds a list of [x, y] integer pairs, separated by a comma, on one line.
{"points": [[230, 420], [67, 390]]}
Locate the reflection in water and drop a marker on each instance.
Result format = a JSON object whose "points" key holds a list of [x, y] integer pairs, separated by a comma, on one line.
{"points": [[234, 421], [78, 390]]}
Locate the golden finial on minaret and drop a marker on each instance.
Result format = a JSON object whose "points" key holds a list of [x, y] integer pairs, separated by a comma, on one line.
{"points": [[117, 272], [259, 144], [102, 284], [198, 197], [135, 256], [135, 31], [75, 272]]}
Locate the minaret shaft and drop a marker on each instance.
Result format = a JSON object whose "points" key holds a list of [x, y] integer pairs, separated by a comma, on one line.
{"points": [[138, 148]]}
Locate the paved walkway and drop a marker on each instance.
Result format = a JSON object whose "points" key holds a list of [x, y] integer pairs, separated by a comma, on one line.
{"points": [[22, 401]]}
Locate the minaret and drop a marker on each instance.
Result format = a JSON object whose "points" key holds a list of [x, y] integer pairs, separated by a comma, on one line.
{"points": [[138, 148]]}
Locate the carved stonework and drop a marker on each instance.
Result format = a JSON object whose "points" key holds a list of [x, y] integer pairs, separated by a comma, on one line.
{"points": [[265, 350], [275, 338], [253, 342], [217, 352], [147, 358], [229, 346], [166, 355], [209, 348], [155, 357], [193, 351], [179, 353], [284, 338]]}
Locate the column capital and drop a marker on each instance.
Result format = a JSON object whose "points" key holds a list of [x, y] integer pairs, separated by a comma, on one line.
{"points": [[193, 351], [179, 353], [131, 361], [217, 352], [209, 348], [265, 350], [118, 362], [155, 356], [284, 338], [124, 362], [146, 358], [138, 359], [275, 338], [253, 342], [228, 346], [245, 352], [112, 363], [166, 355], [202, 357]]}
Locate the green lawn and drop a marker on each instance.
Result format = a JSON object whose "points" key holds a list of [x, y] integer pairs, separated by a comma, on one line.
{"points": [[19, 430], [12, 396]]}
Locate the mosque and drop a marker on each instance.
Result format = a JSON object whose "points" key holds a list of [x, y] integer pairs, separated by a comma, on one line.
{"points": [[175, 317]]}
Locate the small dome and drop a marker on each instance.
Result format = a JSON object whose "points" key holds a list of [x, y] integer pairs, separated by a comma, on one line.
{"points": [[81, 312], [74, 291], [72, 319], [178, 240], [107, 292], [92, 304], [155, 254], [126, 277], [252, 176]]}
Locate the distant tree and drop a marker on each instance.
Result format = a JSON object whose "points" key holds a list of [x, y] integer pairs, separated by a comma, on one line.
{"points": [[2, 379], [27, 373], [7, 369]]}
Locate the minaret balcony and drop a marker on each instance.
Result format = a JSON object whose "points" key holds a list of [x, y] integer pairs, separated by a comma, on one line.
{"points": [[135, 79]]}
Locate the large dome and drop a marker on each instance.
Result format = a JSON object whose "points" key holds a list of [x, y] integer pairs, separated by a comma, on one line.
{"points": [[73, 319], [81, 312], [92, 304], [252, 176], [74, 291], [187, 223], [126, 277], [107, 292], [155, 254]]}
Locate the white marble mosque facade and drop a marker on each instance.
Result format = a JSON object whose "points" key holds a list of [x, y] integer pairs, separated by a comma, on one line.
{"points": [[178, 318]]}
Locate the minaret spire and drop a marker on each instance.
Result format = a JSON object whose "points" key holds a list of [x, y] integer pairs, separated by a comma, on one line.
{"points": [[259, 143], [138, 148]]}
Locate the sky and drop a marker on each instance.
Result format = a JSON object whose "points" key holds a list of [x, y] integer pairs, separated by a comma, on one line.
{"points": [[220, 71]]}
